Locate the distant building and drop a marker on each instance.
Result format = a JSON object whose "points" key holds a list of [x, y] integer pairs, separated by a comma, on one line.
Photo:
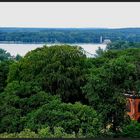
{"points": [[106, 41]]}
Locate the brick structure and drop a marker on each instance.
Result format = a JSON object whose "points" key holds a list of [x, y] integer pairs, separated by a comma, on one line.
{"points": [[133, 106]]}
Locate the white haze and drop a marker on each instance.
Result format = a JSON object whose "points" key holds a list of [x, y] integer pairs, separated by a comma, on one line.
{"points": [[70, 14]]}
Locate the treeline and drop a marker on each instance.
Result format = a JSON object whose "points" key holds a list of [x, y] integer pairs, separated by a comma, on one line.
{"points": [[70, 35], [58, 92], [122, 45]]}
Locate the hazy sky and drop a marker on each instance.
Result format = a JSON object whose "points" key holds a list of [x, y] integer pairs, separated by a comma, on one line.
{"points": [[70, 14]]}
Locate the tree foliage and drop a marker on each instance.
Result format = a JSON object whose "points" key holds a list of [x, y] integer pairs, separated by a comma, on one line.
{"points": [[70, 35], [4, 55], [107, 82], [4, 69], [71, 117], [122, 45], [99, 52], [131, 130], [57, 92], [59, 70]]}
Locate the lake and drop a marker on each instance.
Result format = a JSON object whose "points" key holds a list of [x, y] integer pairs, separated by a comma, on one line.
{"points": [[22, 49]]}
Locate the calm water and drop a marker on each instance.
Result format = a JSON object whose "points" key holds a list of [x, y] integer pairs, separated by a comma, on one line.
{"points": [[22, 49]]}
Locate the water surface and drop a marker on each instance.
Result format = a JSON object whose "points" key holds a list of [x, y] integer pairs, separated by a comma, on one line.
{"points": [[22, 49]]}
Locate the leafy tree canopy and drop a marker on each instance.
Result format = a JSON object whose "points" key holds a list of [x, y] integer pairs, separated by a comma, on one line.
{"points": [[107, 81], [56, 69], [4, 55]]}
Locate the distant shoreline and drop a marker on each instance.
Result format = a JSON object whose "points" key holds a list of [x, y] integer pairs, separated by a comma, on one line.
{"points": [[12, 42]]}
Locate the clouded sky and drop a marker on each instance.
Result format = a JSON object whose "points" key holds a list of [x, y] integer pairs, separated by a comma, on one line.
{"points": [[70, 14]]}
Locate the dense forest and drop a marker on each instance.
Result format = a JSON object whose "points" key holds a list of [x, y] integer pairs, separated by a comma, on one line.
{"points": [[68, 35], [57, 92]]}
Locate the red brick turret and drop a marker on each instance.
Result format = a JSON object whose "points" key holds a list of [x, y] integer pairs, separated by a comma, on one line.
{"points": [[133, 106]]}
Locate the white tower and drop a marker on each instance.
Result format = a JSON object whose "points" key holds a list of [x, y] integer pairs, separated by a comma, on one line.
{"points": [[101, 39]]}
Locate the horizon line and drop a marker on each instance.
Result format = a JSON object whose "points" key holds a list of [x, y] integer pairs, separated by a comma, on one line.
{"points": [[71, 27]]}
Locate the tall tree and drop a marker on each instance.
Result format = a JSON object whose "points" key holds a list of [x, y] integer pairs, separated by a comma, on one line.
{"points": [[58, 69], [104, 91]]}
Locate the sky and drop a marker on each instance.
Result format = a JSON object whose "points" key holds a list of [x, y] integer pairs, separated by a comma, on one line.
{"points": [[70, 14]]}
